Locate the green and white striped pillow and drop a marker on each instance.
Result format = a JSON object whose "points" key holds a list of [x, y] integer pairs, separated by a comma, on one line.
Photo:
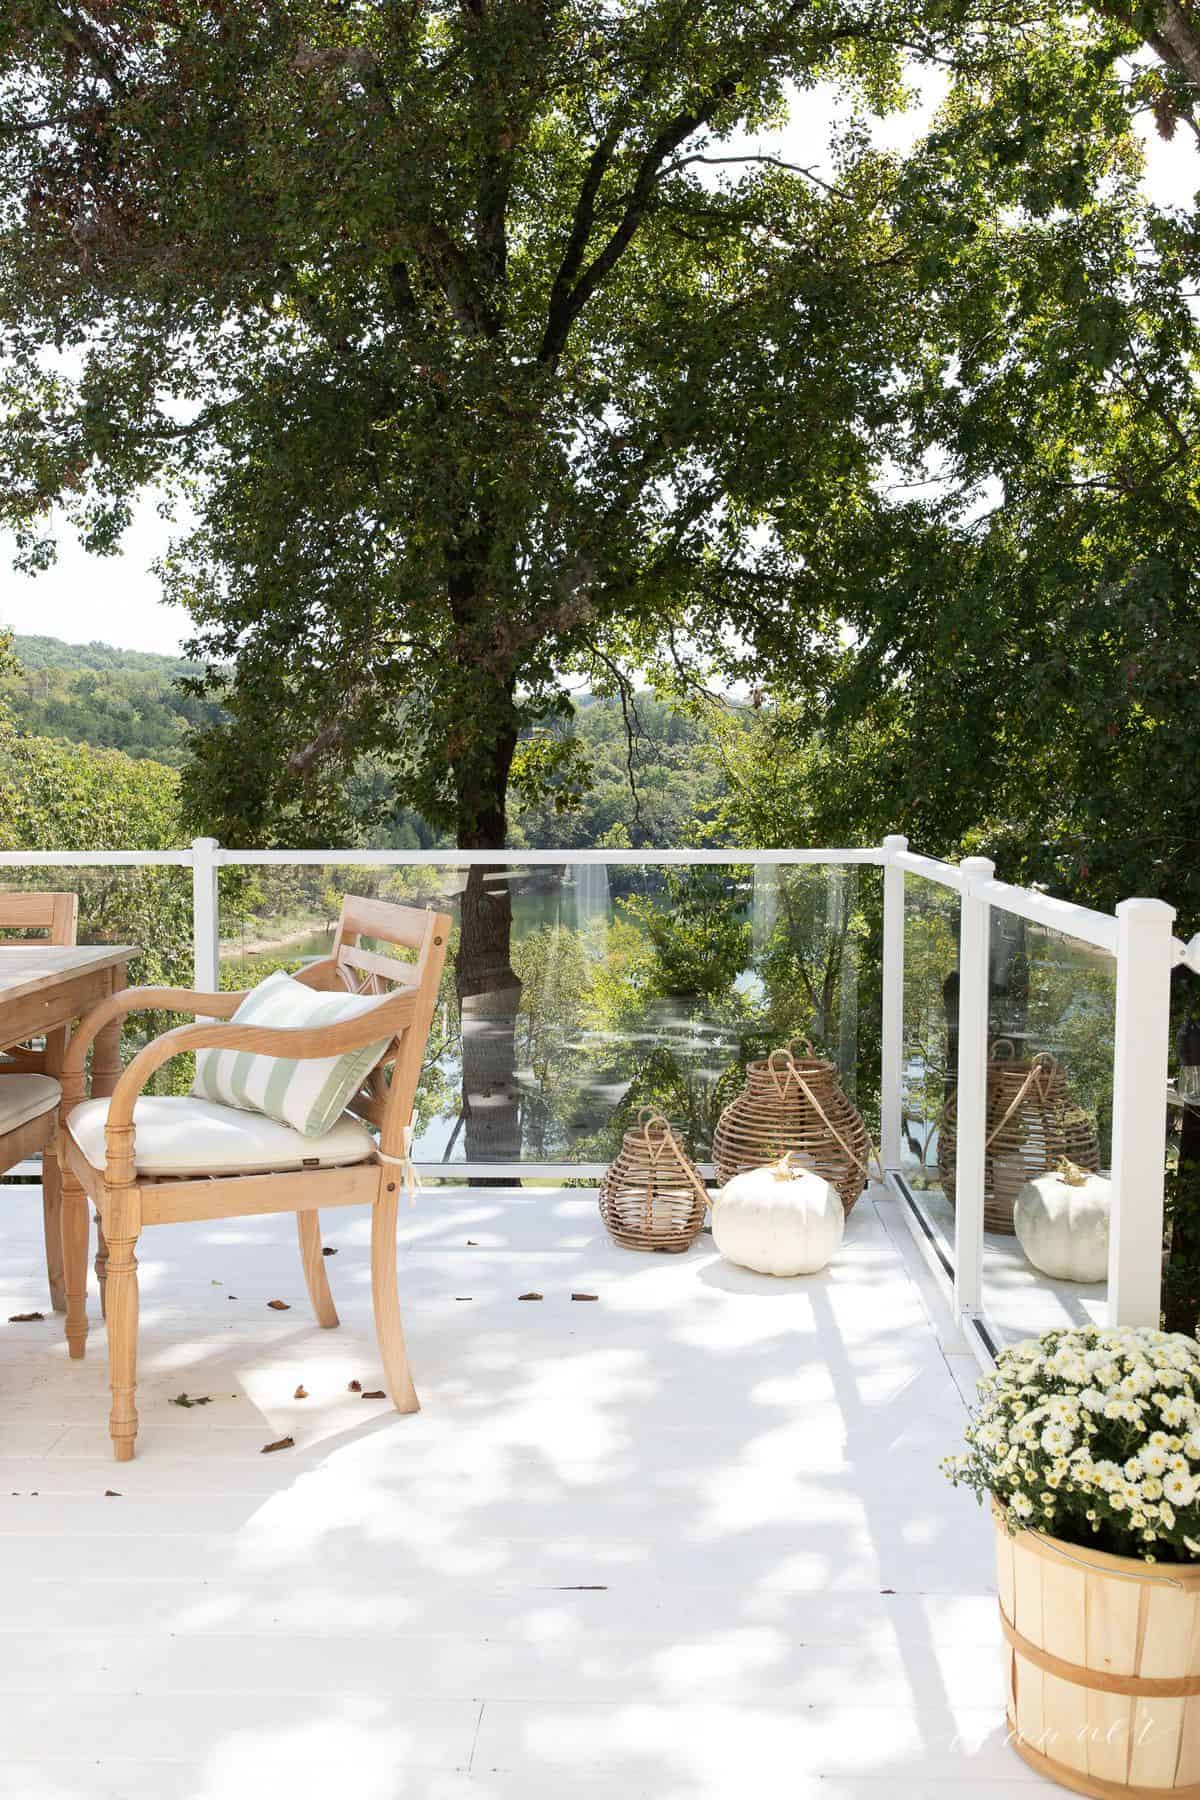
{"points": [[308, 1093]]}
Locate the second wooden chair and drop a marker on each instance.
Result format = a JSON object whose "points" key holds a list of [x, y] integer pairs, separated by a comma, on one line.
{"points": [[30, 1091]]}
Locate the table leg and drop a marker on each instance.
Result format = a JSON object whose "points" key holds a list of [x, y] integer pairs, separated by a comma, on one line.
{"points": [[106, 1072], [56, 1049]]}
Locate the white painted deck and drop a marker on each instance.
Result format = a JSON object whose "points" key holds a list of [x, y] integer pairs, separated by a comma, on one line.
{"points": [[687, 1541]]}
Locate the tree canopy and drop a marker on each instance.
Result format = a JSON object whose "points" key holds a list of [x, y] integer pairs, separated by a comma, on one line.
{"points": [[483, 349]]}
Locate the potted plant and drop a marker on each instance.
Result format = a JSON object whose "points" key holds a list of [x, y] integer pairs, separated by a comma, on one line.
{"points": [[1087, 1444]]}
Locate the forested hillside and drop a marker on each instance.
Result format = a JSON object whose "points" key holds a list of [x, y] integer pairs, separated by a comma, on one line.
{"points": [[644, 773], [95, 694]]}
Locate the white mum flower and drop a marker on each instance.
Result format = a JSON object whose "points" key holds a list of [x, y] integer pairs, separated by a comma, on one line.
{"points": [[1180, 1489]]}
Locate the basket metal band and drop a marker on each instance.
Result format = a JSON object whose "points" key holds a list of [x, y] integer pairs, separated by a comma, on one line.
{"points": [[1079, 1782], [1148, 1687]]}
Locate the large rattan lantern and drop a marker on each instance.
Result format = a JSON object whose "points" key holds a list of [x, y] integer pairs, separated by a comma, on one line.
{"points": [[653, 1197], [794, 1102], [1033, 1123]]}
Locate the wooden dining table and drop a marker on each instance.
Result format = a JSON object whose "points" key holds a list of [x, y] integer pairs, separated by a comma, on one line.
{"points": [[44, 988]]}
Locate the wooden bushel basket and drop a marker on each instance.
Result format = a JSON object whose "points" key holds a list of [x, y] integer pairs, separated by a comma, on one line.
{"points": [[652, 1197], [1032, 1124], [794, 1103], [1103, 1667]]}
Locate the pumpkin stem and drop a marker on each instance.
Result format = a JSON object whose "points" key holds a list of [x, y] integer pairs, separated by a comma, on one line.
{"points": [[1070, 1172], [788, 1166]]}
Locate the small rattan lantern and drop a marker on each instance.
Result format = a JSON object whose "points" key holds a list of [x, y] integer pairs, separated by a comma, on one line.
{"points": [[794, 1103], [653, 1197], [1033, 1122]]}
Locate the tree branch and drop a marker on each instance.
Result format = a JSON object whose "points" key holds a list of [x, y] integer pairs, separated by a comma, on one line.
{"points": [[776, 162], [569, 298]]}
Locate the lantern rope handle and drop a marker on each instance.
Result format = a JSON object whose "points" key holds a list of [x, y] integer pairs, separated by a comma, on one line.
{"points": [[793, 1074], [864, 1168], [1041, 1070], [660, 1142], [789, 1069]]}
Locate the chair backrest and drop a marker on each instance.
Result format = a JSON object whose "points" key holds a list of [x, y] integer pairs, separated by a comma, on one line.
{"points": [[387, 1096], [55, 914], [58, 916]]}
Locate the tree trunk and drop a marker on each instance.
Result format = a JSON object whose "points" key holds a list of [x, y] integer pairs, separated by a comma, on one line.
{"points": [[489, 992]]}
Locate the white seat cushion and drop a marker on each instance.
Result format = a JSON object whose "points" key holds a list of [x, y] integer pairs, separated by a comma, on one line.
{"points": [[183, 1135], [25, 1097]]}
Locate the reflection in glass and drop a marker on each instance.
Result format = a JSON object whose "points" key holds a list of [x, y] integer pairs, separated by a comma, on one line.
{"points": [[577, 993]]}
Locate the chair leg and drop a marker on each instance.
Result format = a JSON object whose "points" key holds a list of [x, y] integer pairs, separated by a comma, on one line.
{"points": [[74, 1240], [308, 1225], [52, 1226], [101, 1266], [385, 1296], [122, 1321]]}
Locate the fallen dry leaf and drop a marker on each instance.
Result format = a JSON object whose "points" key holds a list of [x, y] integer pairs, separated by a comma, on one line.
{"points": [[24, 1318], [464, 1296], [375, 1394], [472, 1244], [287, 1443], [112, 1493], [301, 1393], [280, 1305], [529, 1296], [328, 1250], [355, 1387], [585, 1296], [192, 1400]]}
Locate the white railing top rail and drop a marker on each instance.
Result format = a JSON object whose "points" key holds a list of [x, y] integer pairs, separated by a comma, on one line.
{"points": [[452, 858], [1082, 922], [1075, 921], [446, 857], [96, 859]]}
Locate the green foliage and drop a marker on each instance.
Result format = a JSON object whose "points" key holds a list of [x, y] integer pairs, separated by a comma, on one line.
{"points": [[93, 694], [701, 944]]}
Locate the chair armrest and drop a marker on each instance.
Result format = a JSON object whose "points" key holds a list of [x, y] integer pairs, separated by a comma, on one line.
{"points": [[386, 1020], [144, 999]]}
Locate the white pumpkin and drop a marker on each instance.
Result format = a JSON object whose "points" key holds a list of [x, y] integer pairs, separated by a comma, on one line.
{"points": [[781, 1220], [1061, 1221]]}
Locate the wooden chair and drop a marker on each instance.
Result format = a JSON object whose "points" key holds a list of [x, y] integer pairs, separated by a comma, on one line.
{"points": [[130, 1189], [30, 1090]]}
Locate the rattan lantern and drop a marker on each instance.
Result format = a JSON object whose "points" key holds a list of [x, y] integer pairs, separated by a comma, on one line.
{"points": [[794, 1103], [653, 1197], [1033, 1123]]}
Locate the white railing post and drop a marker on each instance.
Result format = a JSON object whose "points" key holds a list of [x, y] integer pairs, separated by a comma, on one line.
{"points": [[891, 1074], [206, 926], [1145, 956], [971, 1094]]}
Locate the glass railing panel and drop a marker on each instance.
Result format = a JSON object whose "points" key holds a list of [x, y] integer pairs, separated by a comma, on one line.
{"points": [[1051, 1018], [929, 1067], [577, 993]]}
